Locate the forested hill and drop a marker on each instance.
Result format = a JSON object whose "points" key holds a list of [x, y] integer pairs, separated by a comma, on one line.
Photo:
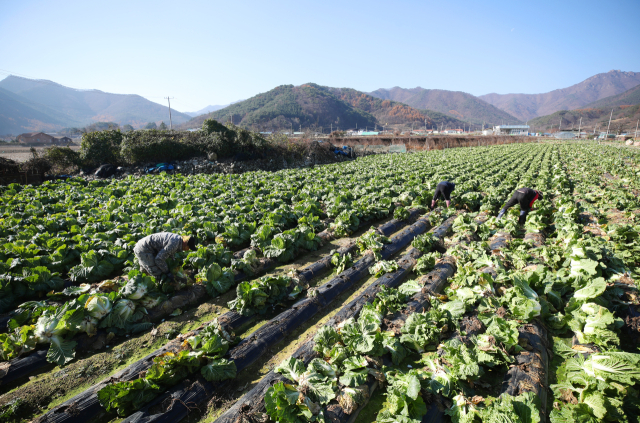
{"points": [[313, 106], [456, 104], [389, 112]]}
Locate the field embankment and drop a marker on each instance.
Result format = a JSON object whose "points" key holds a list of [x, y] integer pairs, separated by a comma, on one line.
{"points": [[427, 143]]}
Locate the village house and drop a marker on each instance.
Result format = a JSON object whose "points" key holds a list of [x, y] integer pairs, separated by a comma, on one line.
{"points": [[33, 138]]}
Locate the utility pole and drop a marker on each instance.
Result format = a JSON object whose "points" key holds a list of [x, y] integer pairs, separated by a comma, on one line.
{"points": [[560, 126], [170, 123], [579, 126], [610, 116], [636, 136]]}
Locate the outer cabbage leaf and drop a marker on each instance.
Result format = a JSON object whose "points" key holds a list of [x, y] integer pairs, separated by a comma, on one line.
{"points": [[218, 370]]}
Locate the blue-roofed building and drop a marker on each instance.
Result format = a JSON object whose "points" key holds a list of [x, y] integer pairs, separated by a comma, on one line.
{"points": [[511, 130]]}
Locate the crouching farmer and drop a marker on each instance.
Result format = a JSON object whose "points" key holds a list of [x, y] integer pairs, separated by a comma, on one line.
{"points": [[153, 251], [443, 190], [525, 197]]}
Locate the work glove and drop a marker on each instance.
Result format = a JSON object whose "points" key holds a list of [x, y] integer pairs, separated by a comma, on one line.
{"points": [[501, 214]]}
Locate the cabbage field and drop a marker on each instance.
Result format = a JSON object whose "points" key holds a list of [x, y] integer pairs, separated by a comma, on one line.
{"points": [[330, 294]]}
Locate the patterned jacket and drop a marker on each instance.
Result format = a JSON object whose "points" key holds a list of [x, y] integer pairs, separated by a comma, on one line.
{"points": [[162, 245]]}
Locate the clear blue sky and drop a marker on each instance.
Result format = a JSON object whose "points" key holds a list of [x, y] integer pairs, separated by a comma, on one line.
{"points": [[216, 52]]}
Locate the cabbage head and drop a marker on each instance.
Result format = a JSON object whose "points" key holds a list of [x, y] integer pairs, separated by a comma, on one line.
{"points": [[98, 306], [46, 329], [89, 325], [137, 286], [120, 315]]}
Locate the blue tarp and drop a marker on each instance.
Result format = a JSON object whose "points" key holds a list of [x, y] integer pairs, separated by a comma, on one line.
{"points": [[160, 167]]}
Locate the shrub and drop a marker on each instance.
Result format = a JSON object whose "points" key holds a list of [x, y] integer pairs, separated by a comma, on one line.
{"points": [[210, 126], [101, 147], [246, 141], [231, 139], [156, 146], [63, 159]]}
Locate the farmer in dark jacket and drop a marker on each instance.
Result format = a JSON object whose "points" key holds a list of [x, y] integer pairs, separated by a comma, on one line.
{"points": [[525, 197], [153, 251], [443, 190]]}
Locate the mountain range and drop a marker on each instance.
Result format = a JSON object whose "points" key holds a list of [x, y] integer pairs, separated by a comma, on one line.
{"points": [[624, 110], [457, 104], [34, 105], [31, 105], [529, 106], [17, 115], [323, 108], [289, 106]]}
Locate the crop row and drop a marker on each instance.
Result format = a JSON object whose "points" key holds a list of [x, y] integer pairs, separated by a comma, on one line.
{"points": [[123, 306], [181, 394], [413, 196], [502, 300], [559, 296]]}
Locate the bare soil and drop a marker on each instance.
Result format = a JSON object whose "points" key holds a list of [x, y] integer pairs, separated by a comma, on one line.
{"points": [[472, 326]]}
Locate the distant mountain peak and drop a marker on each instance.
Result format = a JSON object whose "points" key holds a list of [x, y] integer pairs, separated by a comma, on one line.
{"points": [[594, 88], [32, 105]]}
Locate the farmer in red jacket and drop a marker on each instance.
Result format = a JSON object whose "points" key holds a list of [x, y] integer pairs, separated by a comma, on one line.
{"points": [[525, 197]]}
